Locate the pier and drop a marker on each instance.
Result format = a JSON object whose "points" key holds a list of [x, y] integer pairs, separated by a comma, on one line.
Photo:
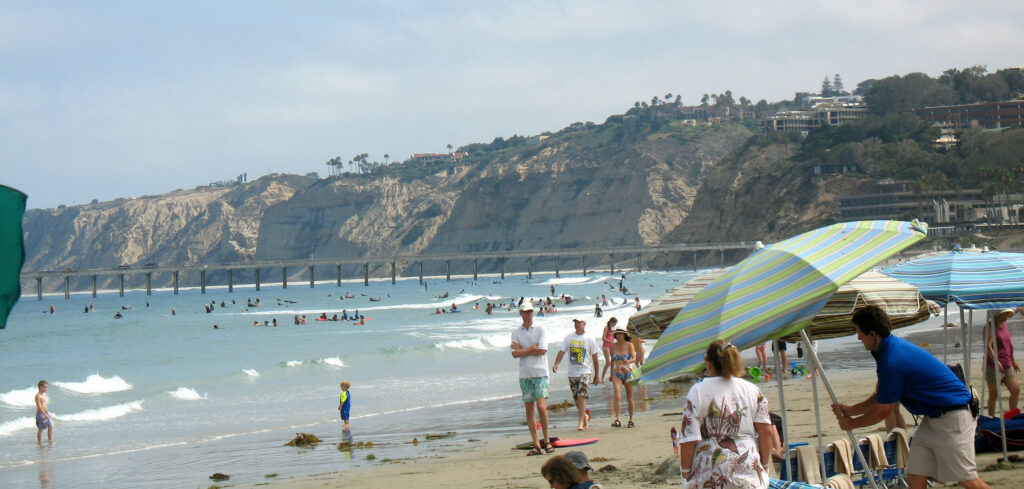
{"points": [[579, 255]]}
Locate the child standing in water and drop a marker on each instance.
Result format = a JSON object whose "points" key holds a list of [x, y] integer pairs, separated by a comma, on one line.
{"points": [[43, 414], [345, 402]]}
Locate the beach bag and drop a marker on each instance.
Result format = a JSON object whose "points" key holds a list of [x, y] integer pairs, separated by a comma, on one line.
{"points": [[974, 404]]}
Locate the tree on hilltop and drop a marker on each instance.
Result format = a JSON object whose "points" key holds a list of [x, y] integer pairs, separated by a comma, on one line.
{"points": [[837, 85], [704, 99], [826, 87], [386, 156]]}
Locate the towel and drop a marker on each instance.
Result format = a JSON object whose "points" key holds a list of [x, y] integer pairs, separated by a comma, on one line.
{"points": [[808, 461], [840, 481], [877, 450], [899, 435], [844, 457]]}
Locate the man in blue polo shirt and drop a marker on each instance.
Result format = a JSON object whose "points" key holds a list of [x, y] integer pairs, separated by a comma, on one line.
{"points": [[943, 446]]}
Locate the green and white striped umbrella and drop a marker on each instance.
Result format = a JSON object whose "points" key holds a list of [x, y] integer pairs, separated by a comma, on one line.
{"points": [[775, 292]]}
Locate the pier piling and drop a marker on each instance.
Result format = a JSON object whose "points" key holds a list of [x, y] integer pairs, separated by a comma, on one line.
{"points": [[93, 286], [639, 266], [392, 273], [448, 273], [474, 269], [202, 281], [366, 274], [39, 287], [584, 265], [529, 268], [421, 273], [503, 268], [149, 283], [284, 277], [67, 287], [557, 275], [231, 282], [257, 279], [611, 257], [311, 276], [339, 274], [121, 289], [175, 282]]}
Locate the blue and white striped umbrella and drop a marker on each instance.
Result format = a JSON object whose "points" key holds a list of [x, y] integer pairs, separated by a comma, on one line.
{"points": [[972, 280], [774, 292]]}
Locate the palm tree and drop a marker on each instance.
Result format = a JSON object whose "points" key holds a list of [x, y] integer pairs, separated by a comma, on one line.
{"points": [[449, 146], [386, 156]]}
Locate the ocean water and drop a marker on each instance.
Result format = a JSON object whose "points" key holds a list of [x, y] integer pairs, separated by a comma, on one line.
{"points": [[158, 400], [161, 400]]}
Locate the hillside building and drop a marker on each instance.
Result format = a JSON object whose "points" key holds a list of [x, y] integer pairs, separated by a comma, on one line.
{"points": [[434, 158], [825, 111], [988, 115], [899, 200]]}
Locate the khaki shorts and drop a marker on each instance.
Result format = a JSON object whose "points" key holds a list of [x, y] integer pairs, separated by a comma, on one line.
{"points": [[1008, 374], [943, 448]]}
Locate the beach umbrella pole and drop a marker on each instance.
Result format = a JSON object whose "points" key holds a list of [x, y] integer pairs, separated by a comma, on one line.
{"points": [[817, 412], [782, 406], [832, 393], [945, 342], [965, 344]]}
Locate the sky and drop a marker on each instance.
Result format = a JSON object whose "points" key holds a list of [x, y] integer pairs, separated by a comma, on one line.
{"points": [[100, 100]]}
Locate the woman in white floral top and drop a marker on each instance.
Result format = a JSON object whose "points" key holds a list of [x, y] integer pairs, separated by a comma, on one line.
{"points": [[726, 438]]}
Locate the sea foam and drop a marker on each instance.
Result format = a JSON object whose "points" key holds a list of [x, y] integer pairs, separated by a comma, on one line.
{"points": [[96, 384], [333, 361], [20, 424], [292, 363], [480, 343], [19, 397], [102, 414], [186, 394], [250, 372]]}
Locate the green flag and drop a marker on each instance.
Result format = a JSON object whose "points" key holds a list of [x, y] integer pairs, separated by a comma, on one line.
{"points": [[12, 249]]}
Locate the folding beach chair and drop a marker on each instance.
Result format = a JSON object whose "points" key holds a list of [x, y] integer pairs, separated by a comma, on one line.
{"points": [[859, 475], [830, 460], [896, 474]]}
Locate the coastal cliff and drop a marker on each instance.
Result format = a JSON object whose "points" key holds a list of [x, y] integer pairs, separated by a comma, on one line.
{"points": [[623, 183]]}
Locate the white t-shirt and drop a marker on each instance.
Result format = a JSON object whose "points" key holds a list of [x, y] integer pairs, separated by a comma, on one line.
{"points": [[580, 348], [532, 365]]}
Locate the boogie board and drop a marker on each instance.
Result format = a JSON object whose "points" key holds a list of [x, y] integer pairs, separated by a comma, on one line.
{"points": [[571, 442], [528, 445]]}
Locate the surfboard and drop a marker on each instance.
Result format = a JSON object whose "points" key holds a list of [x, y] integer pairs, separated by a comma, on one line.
{"points": [[528, 445], [573, 442]]}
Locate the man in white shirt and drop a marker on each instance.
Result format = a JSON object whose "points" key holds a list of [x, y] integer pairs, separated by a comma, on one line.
{"points": [[582, 351], [530, 346]]}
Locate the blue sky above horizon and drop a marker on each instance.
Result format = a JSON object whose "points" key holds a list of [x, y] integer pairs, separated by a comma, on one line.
{"points": [[120, 99]]}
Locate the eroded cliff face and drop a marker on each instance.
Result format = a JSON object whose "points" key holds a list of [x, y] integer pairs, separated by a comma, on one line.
{"points": [[560, 194], [596, 187], [758, 194], [205, 225]]}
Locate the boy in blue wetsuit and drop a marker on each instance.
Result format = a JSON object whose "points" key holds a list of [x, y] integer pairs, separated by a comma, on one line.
{"points": [[345, 403]]}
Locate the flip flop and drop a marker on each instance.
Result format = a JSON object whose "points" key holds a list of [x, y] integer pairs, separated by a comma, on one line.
{"points": [[630, 425], [616, 424], [533, 452]]}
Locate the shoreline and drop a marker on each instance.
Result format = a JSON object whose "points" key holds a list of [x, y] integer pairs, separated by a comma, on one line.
{"points": [[635, 453]]}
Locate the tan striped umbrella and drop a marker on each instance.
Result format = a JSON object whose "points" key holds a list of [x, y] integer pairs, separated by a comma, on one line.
{"points": [[901, 301]]}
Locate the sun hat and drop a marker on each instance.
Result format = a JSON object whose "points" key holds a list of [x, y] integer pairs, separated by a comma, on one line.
{"points": [[526, 306], [578, 459], [1006, 311], [622, 329]]}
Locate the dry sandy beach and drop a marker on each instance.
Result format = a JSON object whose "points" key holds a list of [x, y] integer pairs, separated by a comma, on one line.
{"points": [[635, 453]]}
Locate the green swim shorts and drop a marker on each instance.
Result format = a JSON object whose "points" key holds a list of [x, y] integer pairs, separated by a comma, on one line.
{"points": [[534, 388]]}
